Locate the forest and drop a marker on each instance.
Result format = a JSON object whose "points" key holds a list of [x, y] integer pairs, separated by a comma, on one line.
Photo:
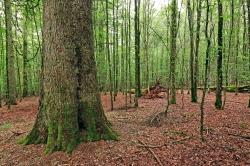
{"points": [[124, 82]]}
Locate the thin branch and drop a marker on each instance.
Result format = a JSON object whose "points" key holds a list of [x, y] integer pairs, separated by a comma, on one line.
{"points": [[152, 152]]}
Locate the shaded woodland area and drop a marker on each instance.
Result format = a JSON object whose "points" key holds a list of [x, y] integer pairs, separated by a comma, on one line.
{"points": [[125, 82]]}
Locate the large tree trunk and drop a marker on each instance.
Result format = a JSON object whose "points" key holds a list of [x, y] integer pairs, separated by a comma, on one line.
{"points": [[11, 81], [70, 107]]}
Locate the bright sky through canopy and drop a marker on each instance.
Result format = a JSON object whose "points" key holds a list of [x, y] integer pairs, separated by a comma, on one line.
{"points": [[158, 4]]}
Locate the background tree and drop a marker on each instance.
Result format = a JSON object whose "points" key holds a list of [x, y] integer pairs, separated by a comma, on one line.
{"points": [[137, 52], [173, 50], [154, 52], [197, 46], [208, 37], [191, 33], [25, 51], [108, 55], [248, 8], [218, 103], [11, 80]]}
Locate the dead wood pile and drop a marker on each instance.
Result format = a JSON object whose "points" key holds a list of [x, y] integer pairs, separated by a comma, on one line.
{"points": [[156, 91]]}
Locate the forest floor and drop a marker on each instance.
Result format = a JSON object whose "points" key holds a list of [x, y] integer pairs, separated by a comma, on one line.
{"points": [[176, 142]]}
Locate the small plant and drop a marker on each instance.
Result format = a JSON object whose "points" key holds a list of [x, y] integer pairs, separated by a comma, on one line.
{"points": [[5, 126], [243, 125]]}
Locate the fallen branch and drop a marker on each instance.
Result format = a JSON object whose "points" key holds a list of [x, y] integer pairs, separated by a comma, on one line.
{"points": [[152, 152], [240, 136], [230, 101], [15, 134], [151, 146], [180, 140]]}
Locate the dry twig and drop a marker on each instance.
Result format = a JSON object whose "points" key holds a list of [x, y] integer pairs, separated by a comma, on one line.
{"points": [[152, 152], [180, 140]]}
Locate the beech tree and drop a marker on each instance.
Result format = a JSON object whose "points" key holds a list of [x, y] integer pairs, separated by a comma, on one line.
{"points": [[208, 51], [11, 80], [137, 52], [191, 33], [248, 8], [218, 103], [197, 44], [70, 109], [25, 52], [173, 50]]}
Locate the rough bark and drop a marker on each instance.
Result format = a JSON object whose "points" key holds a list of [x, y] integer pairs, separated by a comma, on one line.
{"points": [[173, 51], [191, 29], [25, 54], [248, 8], [2, 60], [218, 103], [208, 38], [70, 107], [230, 52], [197, 44], [11, 81]]}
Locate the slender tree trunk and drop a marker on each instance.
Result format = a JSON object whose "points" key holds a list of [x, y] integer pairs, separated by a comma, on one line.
{"points": [[197, 44], [16, 55], [229, 52], [137, 53], [129, 58], [191, 29], [248, 8], [173, 51], [11, 80], [114, 50], [25, 53], [70, 108], [33, 69], [109, 57], [122, 51], [126, 55], [183, 61], [117, 51], [237, 53], [218, 103], [2, 64], [208, 38]]}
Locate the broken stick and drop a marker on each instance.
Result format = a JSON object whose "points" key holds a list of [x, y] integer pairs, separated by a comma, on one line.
{"points": [[152, 152]]}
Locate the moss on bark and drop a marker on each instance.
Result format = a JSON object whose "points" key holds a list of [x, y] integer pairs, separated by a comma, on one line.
{"points": [[96, 126], [39, 132], [63, 130]]}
